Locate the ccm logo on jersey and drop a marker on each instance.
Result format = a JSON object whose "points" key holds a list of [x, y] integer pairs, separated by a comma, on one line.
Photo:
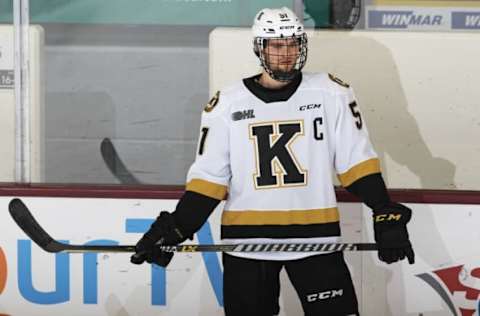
{"points": [[324, 295], [309, 107]]}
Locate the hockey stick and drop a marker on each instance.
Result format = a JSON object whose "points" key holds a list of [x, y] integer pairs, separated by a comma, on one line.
{"points": [[115, 164], [25, 220]]}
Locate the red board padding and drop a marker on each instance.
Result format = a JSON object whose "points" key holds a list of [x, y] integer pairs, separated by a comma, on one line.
{"points": [[175, 192]]}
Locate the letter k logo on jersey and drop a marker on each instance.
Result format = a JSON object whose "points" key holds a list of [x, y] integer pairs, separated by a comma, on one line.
{"points": [[458, 286]]}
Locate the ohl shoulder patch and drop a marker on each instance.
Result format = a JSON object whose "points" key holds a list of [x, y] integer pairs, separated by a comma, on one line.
{"points": [[340, 82], [212, 103]]}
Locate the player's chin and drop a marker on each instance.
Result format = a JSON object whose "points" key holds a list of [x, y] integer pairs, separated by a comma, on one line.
{"points": [[284, 67]]}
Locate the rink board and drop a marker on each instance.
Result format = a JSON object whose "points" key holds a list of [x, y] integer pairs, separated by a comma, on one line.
{"points": [[32, 282]]}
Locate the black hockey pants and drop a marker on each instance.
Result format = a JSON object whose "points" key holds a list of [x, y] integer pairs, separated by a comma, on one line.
{"points": [[322, 282]]}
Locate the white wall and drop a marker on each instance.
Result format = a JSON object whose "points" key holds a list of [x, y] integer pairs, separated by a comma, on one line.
{"points": [[417, 91]]}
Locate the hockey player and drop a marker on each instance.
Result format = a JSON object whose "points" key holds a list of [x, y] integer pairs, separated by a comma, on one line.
{"points": [[271, 142]]}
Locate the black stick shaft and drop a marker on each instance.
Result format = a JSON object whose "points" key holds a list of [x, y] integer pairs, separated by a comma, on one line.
{"points": [[314, 247]]}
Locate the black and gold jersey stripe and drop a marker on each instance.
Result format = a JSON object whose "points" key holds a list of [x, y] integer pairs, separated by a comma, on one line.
{"points": [[280, 224], [358, 171], [210, 189]]}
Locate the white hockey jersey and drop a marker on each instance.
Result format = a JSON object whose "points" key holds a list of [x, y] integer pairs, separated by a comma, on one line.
{"points": [[273, 161]]}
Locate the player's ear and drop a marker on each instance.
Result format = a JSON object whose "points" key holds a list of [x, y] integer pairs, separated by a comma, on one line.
{"points": [[256, 49]]}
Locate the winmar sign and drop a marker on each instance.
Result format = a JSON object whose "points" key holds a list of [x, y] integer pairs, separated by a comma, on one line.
{"points": [[423, 18], [406, 19]]}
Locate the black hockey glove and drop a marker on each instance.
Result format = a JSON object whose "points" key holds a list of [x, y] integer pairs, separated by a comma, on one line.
{"points": [[391, 235], [163, 231]]}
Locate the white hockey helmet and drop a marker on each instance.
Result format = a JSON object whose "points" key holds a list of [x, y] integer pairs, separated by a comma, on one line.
{"points": [[279, 24]]}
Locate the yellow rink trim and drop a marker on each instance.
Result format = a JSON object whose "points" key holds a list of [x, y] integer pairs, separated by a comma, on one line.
{"points": [[427, 3], [299, 217], [210, 189], [358, 171]]}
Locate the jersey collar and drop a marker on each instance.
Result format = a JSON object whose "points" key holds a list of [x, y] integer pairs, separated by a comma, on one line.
{"points": [[272, 95]]}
